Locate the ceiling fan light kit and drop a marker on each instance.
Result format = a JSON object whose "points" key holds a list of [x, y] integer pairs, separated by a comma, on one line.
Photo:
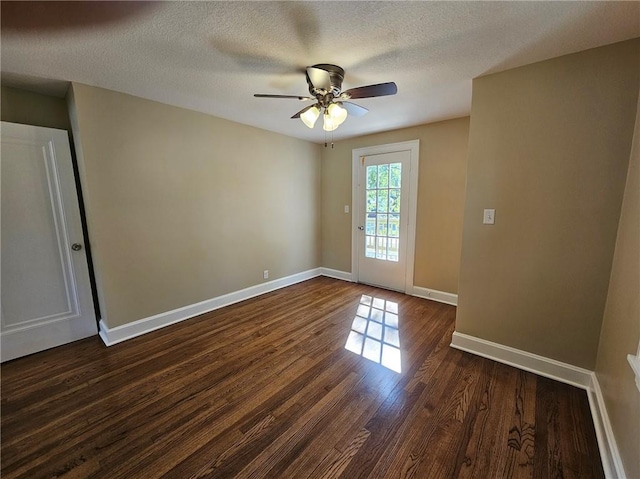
{"points": [[337, 113], [329, 124], [310, 116], [325, 86]]}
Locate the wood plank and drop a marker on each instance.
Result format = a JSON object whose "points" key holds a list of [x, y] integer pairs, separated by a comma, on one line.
{"points": [[336, 462], [521, 440], [490, 428], [547, 458]]}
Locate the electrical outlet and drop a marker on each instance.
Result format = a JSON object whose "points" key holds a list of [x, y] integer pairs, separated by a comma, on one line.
{"points": [[265, 274]]}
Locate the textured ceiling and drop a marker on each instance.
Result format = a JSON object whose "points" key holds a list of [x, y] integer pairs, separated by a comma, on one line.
{"points": [[213, 56]]}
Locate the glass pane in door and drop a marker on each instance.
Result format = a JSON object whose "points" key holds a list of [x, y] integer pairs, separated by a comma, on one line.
{"points": [[370, 246], [382, 220]]}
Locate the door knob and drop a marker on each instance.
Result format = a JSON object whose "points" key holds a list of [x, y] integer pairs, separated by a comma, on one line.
{"points": [[76, 246], [361, 228]]}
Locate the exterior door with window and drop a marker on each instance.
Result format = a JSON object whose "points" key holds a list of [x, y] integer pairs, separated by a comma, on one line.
{"points": [[383, 218]]}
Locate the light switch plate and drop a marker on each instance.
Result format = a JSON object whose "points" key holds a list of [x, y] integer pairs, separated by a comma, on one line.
{"points": [[489, 217], [346, 208]]}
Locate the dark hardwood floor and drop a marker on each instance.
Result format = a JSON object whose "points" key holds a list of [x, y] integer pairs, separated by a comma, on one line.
{"points": [[266, 388]]}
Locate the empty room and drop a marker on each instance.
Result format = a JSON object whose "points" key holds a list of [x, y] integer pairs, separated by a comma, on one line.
{"points": [[320, 239]]}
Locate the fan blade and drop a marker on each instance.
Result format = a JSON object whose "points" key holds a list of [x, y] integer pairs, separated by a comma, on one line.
{"points": [[297, 115], [353, 109], [263, 95], [369, 91], [319, 79]]}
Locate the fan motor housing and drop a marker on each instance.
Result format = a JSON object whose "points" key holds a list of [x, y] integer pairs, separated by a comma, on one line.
{"points": [[336, 76]]}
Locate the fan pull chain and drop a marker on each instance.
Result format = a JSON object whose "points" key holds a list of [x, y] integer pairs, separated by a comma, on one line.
{"points": [[326, 141]]}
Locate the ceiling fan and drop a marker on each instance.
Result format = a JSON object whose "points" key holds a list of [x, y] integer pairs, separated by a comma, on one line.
{"points": [[325, 87]]}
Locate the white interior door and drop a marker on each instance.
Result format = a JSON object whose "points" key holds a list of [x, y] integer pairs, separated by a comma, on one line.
{"points": [[45, 290], [384, 220]]}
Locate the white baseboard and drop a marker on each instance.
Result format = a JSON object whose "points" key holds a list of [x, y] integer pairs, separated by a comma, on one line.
{"points": [[550, 368], [111, 336], [435, 295], [336, 274], [611, 460], [559, 371], [419, 291]]}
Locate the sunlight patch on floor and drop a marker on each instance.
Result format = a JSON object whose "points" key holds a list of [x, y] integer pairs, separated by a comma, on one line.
{"points": [[375, 334]]}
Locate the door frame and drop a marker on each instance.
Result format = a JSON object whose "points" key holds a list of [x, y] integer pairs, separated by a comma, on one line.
{"points": [[413, 146]]}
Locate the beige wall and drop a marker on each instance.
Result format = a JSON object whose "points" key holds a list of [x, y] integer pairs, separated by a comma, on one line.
{"points": [[183, 207], [548, 149], [621, 325], [443, 154], [28, 108]]}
